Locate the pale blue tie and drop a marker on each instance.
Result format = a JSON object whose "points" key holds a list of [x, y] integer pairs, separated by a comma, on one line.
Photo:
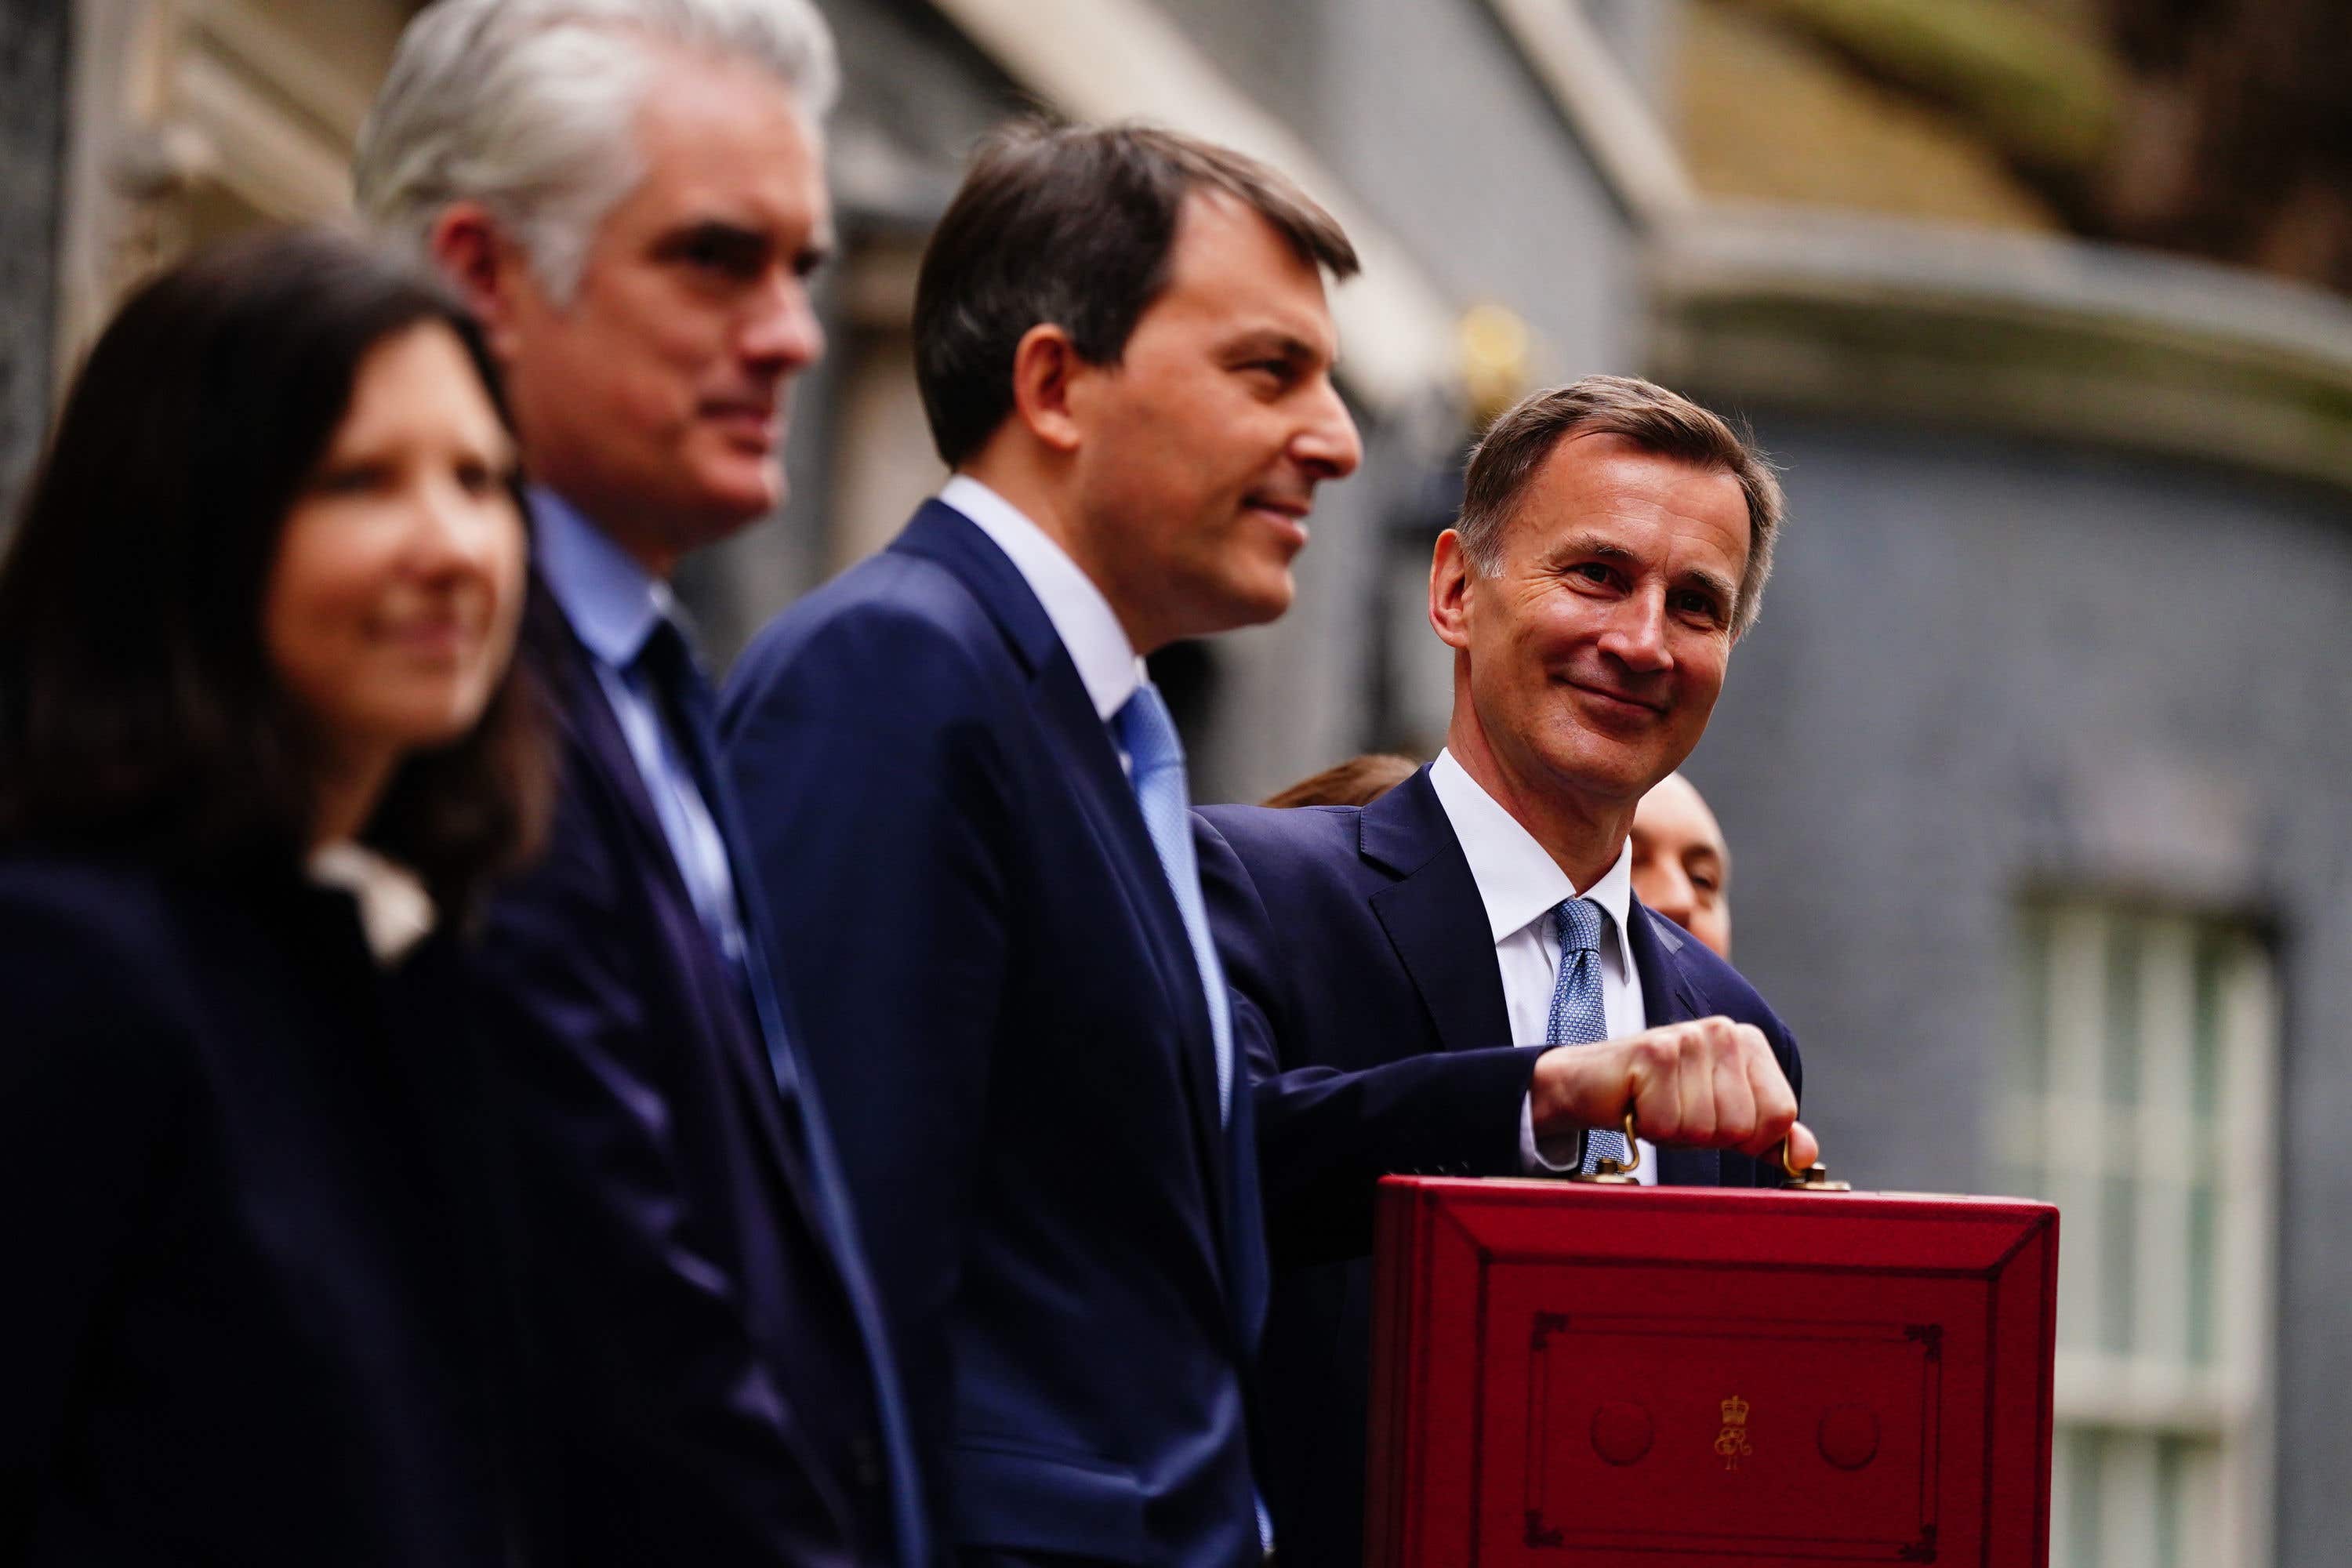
{"points": [[1157, 757], [1578, 1013]]}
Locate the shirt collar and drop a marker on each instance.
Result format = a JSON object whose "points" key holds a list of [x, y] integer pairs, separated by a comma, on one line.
{"points": [[610, 601], [1082, 617], [1518, 882], [395, 912]]}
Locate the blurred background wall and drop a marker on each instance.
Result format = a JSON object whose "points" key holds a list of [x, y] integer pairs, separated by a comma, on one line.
{"points": [[2034, 769]]}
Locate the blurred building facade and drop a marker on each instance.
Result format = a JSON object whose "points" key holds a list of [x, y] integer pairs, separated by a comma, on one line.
{"points": [[2034, 767]]}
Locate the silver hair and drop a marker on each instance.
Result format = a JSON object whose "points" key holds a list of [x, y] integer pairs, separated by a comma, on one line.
{"points": [[529, 108]]}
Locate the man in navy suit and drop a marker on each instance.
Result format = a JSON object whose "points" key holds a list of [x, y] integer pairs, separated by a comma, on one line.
{"points": [[1389, 962], [631, 199], [968, 807]]}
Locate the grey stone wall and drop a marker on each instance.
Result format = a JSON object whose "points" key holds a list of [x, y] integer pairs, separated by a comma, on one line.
{"points": [[1436, 120], [1276, 54], [1987, 665], [32, 130]]}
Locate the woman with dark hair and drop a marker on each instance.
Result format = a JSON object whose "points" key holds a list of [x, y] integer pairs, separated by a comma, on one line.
{"points": [[260, 750]]}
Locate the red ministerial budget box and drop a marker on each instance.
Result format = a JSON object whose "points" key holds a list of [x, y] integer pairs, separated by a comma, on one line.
{"points": [[1567, 1375]]}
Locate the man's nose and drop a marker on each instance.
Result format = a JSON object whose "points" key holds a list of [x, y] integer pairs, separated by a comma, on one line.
{"points": [[1636, 636], [780, 331], [1328, 445]]}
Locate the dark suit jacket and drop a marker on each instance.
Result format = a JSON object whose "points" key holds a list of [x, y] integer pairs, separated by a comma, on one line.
{"points": [[257, 1309], [1367, 996], [1007, 1022], [706, 1366]]}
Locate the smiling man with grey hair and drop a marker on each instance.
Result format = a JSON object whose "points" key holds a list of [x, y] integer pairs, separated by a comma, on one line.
{"points": [[630, 196]]}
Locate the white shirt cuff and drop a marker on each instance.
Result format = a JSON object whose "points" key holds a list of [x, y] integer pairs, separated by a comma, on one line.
{"points": [[1556, 1154]]}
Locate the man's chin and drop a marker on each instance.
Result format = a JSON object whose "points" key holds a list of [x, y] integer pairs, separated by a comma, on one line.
{"points": [[1261, 602], [1603, 767], [729, 503]]}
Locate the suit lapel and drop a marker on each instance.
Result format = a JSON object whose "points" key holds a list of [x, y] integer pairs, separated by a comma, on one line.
{"points": [[587, 714], [1434, 916], [1090, 761], [1669, 997]]}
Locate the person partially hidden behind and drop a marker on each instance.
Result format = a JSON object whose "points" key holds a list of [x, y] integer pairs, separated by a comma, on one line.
{"points": [[260, 754], [1359, 780], [1682, 867], [1388, 963]]}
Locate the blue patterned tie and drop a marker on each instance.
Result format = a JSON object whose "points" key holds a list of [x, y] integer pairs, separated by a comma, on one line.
{"points": [[1158, 757], [1578, 1016]]}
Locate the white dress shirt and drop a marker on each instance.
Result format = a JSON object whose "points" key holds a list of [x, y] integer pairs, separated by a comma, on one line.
{"points": [[1522, 888], [1082, 617]]}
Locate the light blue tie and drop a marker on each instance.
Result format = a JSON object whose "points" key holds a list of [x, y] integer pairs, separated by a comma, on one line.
{"points": [[1578, 1014], [1157, 756]]}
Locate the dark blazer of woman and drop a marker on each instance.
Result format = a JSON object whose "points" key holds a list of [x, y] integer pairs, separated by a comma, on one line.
{"points": [[257, 1296], [261, 751]]}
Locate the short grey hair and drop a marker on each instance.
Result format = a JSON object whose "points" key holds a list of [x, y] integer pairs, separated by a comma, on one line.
{"points": [[1506, 458], [529, 108]]}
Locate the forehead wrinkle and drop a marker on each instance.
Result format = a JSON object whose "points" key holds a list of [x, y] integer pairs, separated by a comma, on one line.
{"points": [[672, 125]]}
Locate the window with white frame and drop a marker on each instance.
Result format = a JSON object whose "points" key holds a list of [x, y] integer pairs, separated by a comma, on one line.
{"points": [[2141, 1100]]}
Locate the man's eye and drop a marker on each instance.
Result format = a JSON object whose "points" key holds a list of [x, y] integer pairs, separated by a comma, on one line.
{"points": [[479, 479], [718, 258], [723, 256], [1697, 605], [1593, 572]]}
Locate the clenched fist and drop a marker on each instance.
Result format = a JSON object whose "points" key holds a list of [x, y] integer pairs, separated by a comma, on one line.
{"points": [[1709, 1083]]}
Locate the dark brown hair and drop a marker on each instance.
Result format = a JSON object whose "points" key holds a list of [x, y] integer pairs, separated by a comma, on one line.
{"points": [[138, 710], [1359, 780], [1666, 423], [1072, 224]]}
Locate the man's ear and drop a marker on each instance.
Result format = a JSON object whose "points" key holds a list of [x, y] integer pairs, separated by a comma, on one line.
{"points": [[1045, 364], [1449, 592], [487, 271]]}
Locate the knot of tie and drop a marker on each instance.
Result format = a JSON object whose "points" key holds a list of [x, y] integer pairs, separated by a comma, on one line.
{"points": [[1148, 730], [667, 658], [1580, 920]]}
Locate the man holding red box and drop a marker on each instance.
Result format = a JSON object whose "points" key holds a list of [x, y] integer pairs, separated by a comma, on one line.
{"points": [[1393, 965]]}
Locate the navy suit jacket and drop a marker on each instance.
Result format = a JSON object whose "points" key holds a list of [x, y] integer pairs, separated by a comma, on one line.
{"points": [[713, 1387], [258, 1308], [1008, 1026], [1367, 997]]}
